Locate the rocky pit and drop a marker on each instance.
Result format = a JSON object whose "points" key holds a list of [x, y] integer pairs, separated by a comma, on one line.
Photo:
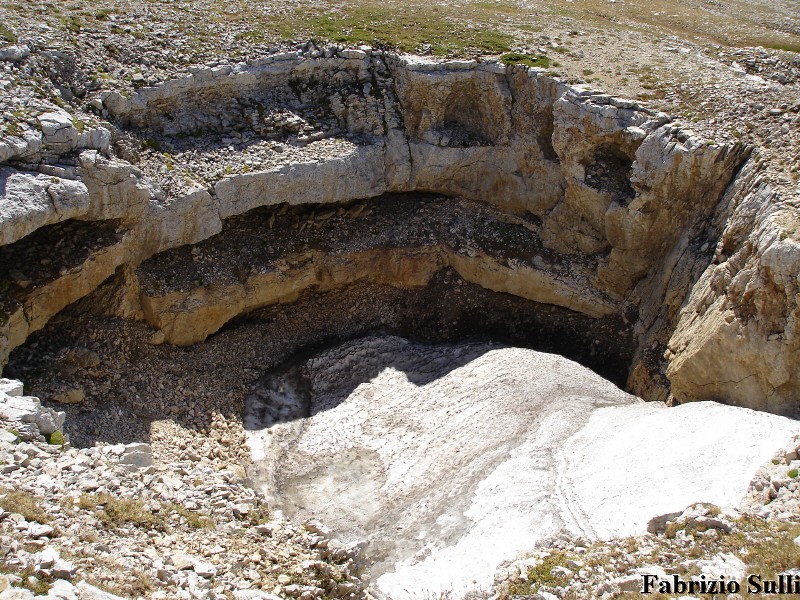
{"points": [[249, 240]]}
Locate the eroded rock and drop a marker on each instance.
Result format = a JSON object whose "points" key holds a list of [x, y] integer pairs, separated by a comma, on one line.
{"points": [[599, 180]]}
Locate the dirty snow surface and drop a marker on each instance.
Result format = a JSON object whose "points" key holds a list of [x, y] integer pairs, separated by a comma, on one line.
{"points": [[450, 459]]}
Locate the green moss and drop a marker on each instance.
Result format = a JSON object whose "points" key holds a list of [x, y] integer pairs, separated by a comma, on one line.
{"points": [[79, 124], [56, 438], [793, 473], [529, 60]]}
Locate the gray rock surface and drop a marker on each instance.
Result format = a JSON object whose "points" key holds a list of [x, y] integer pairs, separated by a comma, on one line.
{"points": [[29, 410]]}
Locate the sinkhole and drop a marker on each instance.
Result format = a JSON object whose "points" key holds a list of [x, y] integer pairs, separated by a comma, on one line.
{"points": [[434, 296]]}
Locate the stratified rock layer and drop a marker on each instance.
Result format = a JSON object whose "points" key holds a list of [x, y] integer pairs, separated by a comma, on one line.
{"points": [[663, 230], [449, 459]]}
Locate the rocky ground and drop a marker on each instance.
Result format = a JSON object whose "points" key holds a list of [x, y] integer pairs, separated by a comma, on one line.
{"points": [[110, 521], [697, 61]]}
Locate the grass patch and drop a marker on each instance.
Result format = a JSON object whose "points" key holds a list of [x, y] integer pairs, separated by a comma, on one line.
{"points": [[514, 58], [73, 24], [541, 575], [411, 31], [103, 14], [436, 29], [193, 519], [785, 47], [38, 584], [119, 512], [7, 35], [24, 503]]}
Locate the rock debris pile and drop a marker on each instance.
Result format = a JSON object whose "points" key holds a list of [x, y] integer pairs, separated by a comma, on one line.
{"points": [[108, 521]]}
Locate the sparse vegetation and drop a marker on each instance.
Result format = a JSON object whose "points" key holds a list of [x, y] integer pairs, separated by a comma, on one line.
{"points": [[439, 30], [119, 512], [7, 34], [38, 583], [24, 503], [73, 24], [542, 575], [514, 58], [193, 519], [259, 516], [151, 144]]}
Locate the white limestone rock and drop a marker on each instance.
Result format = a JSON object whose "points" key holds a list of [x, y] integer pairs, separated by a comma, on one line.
{"points": [[24, 144], [63, 590], [30, 410], [16, 594], [90, 592], [725, 565], [33, 200], [14, 53], [59, 133], [357, 174], [11, 387], [136, 456]]}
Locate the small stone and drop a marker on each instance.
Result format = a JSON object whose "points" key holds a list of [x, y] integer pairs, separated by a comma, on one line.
{"points": [[11, 387], [16, 594], [180, 561], [73, 396], [90, 592], [203, 569], [14, 53], [560, 571], [63, 590], [8, 437], [35, 530]]}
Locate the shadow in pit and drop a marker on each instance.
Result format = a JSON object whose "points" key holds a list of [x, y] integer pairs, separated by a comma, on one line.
{"points": [[447, 310], [135, 383]]}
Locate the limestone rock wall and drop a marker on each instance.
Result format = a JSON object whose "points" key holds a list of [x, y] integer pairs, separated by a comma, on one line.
{"points": [[598, 181], [736, 339]]}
